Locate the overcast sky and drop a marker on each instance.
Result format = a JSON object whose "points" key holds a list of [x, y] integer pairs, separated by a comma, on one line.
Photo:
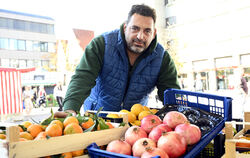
{"points": [[96, 15]]}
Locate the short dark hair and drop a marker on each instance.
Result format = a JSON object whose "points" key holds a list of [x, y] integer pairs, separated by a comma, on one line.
{"points": [[143, 10]]}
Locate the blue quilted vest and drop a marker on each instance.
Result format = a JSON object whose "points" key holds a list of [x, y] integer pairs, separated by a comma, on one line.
{"points": [[111, 89]]}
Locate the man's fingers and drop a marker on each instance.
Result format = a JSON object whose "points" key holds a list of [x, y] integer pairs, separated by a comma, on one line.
{"points": [[60, 114]]}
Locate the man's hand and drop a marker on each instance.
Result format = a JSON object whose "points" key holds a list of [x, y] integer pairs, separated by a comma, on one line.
{"points": [[63, 114]]}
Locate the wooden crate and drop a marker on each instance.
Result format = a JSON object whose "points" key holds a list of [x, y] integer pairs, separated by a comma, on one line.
{"points": [[61, 144], [231, 140]]}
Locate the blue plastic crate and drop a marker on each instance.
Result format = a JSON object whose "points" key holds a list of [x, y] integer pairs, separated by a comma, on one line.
{"points": [[219, 105]]}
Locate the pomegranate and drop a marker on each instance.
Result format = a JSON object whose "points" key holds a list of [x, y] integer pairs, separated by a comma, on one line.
{"points": [[173, 144], [119, 146], [134, 133], [174, 118], [149, 122], [152, 152], [140, 146], [190, 132], [157, 131]]}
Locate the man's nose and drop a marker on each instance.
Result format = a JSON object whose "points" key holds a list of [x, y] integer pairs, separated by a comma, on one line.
{"points": [[140, 35]]}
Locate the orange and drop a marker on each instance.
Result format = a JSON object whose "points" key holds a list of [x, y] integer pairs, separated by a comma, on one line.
{"points": [[57, 122], [110, 125], [22, 139], [2, 136], [89, 123], [72, 128], [41, 135], [34, 129], [143, 114], [26, 135], [70, 119], [67, 155], [77, 153], [26, 124], [20, 129], [145, 108], [136, 109], [54, 130]]}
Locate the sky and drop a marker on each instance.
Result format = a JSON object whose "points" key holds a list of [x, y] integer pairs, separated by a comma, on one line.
{"points": [[96, 15]]}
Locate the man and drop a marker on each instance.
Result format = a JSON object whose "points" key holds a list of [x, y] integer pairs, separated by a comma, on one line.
{"points": [[120, 68], [58, 93]]}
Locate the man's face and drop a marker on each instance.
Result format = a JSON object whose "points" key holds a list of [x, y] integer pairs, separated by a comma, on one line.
{"points": [[139, 33]]}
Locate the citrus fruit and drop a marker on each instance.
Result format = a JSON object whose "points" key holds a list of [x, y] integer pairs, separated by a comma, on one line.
{"points": [[2, 136], [145, 108], [58, 122], [70, 119], [20, 129], [113, 116], [53, 130], [77, 153], [143, 114], [26, 124], [136, 123], [72, 128], [154, 111], [131, 117], [26, 135], [136, 109], [67, 155], [41, 135], [89, 123], [22, 139], [123, 111], [34, 129], [110, 125]]}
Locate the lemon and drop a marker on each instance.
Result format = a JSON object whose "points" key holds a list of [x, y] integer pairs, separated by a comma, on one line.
{"points": [[146, 108], [113, 116], [136, 109], [154, 111], [143, 114], [136, 123]]}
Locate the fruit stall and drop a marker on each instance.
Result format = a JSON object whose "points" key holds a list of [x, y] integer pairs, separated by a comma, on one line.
{"points": [[188, 123]]}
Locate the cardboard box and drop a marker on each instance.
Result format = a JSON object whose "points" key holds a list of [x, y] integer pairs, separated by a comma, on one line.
{"points": [[231, 139], [61, 144]]}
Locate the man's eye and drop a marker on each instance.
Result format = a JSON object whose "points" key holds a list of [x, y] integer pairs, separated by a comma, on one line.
{"points": [[148, 31], [135, 28]]}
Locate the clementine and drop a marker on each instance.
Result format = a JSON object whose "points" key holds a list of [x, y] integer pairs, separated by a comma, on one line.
{"points": [[67, 155], [54, 130], [26, 124], [89, 123], [110, 125], [2, 136], [70, 119], [34, 129], [57, 122], [77, 153], [72, 128], [41, 135], [26, 135]]}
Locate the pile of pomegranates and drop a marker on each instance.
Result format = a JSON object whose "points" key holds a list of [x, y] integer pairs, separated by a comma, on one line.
{"points": [[166, 138]]}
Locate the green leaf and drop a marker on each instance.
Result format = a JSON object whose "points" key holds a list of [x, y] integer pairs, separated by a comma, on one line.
{"points": [[102, 123], [122, 124]]}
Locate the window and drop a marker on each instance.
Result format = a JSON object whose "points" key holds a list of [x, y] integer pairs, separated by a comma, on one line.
{"points": [[51, 47], [3, 23], [14, 63], [50, 29], [22, 63], [30, 63], [43, 28], [10, 23], [44, 46], [19, 25], [20, 44], [34, 27], [5, 62], [170, 21], [12, 44], [36, 46], [29, 46], [37, 63], [4, 43]]}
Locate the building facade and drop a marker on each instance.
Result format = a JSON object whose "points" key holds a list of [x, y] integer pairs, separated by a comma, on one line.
{"points": [[27, 41], [212, 39]]}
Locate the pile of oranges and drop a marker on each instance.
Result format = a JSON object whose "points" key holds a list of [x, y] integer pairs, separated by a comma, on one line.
{"points": [[136, 113], [55, 128]]}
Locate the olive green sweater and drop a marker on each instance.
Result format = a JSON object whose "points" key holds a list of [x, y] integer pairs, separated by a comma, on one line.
{"points": [[91, 63]]}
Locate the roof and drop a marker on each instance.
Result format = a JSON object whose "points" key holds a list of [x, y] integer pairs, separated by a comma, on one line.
{"points": [[26, 14], [83, 37]]}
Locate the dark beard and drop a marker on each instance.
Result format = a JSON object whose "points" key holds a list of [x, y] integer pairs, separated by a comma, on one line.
{"points": [[136, 49]]}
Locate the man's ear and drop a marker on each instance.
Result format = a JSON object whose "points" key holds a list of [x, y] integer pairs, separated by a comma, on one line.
{"points": [[155, 31], [124, 26]]}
